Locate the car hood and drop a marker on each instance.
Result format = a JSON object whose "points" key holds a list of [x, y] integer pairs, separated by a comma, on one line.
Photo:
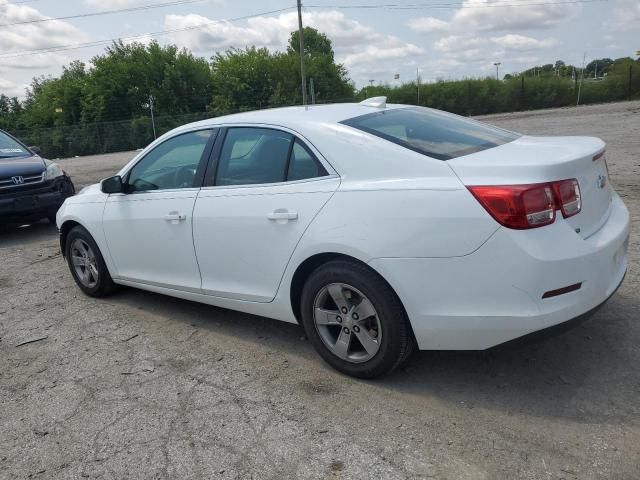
{"points": [[22, 166]]}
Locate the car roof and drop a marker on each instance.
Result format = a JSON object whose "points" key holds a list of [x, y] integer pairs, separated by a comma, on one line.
{"points": [[293, 117]]}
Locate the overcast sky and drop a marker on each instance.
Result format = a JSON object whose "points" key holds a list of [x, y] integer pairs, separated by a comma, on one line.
{"points": [[459, 40]]}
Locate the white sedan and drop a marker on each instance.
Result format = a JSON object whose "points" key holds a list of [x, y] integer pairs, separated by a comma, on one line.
{"points": [[379, 228]]}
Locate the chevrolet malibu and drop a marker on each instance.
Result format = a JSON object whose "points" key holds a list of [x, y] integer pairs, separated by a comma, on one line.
{"points": [[379, 228]]}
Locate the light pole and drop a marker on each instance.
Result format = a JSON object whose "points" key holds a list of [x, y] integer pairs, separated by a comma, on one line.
{"points": [[418, 83], [497, 65]]}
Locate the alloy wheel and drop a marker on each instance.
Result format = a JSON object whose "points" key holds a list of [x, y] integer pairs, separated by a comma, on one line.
{"points": [[84, 263], [347, 322]]}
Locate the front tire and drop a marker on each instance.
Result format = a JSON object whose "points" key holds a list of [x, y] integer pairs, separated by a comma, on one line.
{"points": [[87, 264], [355, 320]]}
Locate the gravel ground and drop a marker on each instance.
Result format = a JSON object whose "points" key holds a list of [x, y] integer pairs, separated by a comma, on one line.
{"points": [[145, 386]]}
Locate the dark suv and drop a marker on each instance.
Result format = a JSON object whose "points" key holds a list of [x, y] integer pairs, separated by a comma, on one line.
{"points": [[31, 188]]}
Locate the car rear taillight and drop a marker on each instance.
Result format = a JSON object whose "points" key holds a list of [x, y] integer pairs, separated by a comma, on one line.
{"points": [[529, 206], [518, 206], [568, 196]]}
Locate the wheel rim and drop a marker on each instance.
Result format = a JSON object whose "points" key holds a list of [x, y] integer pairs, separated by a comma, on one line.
{"points": [[347, 322], [84, 263]]}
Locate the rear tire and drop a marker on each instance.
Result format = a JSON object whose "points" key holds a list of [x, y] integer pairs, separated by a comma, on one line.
{"points": [[355, 320], [87, 264]]}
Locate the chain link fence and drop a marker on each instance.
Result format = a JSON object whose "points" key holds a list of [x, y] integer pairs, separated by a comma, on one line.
{"points": [[103, 137]]}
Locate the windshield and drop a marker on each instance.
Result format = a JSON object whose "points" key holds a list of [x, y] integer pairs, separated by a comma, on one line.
{"points": [[430, 132], [10, 147]]}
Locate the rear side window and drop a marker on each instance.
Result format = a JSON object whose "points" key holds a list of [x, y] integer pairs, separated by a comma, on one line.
{"points": [[303, 164], [430, 132]]}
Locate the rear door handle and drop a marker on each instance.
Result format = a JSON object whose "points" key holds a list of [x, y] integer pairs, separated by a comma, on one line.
{"points": [[175, 217], [282, 215]]}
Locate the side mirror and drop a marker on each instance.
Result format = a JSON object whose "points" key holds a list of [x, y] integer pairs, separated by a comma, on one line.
{"points": [[112, 185], [35, 150]]}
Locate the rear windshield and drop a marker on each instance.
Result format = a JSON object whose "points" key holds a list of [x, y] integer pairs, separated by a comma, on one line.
{"points": [[9, 147], [430, 132]]}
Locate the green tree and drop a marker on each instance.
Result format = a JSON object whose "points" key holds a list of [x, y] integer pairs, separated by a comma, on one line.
{"points": [[315, 43], [126, 75], [598, 67], [331, 79]]}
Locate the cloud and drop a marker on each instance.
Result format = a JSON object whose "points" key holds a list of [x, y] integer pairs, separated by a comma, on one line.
{"points": [[482, 32], [625, 16], [494, 15], [10, 88], [458, 43], [428, 25], [216, 36], [33, 36], [522, 43], [480, 15], [468, 46], [116, 3], [357, 45]]}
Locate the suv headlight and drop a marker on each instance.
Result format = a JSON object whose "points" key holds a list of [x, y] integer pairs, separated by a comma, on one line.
{"points": [[53, 171]]}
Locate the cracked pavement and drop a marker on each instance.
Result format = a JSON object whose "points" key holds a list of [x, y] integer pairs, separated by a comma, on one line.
{"points": [[144, 386]]}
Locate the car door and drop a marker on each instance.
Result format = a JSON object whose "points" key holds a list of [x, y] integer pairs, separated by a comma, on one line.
{"points": [[149, 228], [263, 189]]}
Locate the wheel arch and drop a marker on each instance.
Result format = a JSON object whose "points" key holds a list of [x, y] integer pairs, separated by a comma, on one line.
{"points": [[308, 266], [65, 228]]}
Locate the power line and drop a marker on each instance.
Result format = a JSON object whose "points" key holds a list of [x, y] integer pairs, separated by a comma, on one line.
{"points": [[456, 5], [135, 37], [104, 12]]}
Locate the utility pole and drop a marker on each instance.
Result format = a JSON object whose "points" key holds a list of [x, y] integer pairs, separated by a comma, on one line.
{"points": [[302, 74], [497, 65], [418, 84], [584, 57], [153, 121]]}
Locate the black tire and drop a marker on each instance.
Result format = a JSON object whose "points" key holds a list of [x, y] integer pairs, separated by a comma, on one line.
{"points": [[397, 342], [104, 285]]}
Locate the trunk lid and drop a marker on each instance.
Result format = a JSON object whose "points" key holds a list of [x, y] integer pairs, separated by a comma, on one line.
{"points": [[530, 160]]}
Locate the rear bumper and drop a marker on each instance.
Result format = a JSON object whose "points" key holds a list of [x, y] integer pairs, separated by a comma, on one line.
{"points": [[37, 203], [494, 295], [554, 330]]}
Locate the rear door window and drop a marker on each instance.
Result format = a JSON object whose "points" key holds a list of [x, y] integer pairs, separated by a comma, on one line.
{"points": [[437, 134], [254, 156]]}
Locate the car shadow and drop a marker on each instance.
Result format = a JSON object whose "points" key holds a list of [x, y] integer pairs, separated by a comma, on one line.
{"points": [[587, 374], [13, 235]]}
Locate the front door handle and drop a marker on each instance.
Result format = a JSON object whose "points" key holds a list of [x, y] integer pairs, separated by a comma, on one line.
{"points": [[282, 215], [175, 217]]}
